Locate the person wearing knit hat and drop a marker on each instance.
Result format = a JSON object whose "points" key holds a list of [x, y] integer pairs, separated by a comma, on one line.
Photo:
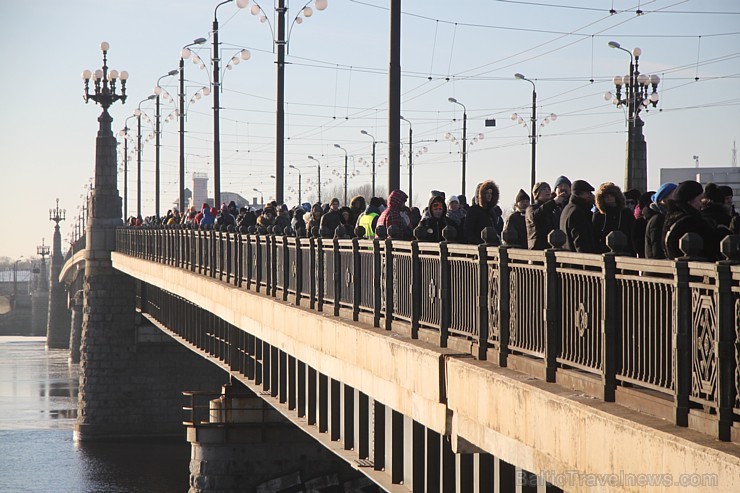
{"points": [[735, 222], [657, 210], [516, 221], [562, 186], [684, 216], [542, 216]]}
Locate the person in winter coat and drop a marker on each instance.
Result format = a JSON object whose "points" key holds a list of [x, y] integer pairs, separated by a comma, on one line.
{"points": [[684, 216], [368, 220], [715, 211], [642, 216], [347, 220], [434, 220], [224, 217], [357, 206], [543, 215], [561, 188], [576, 220], [654, 229], [298, 223], [517, 222], [207, 218], [612, 215], [735, 221], [267, 218], [282, 217], [314, 221], [482, 214], [331, 219], [392, 216], [456, 213]]}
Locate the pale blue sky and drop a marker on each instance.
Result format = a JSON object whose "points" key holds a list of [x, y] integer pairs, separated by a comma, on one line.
{"points": [[336, 85]]}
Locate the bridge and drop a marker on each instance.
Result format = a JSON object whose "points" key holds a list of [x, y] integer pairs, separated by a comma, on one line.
{"points": [[427, 366], [443, 367]]}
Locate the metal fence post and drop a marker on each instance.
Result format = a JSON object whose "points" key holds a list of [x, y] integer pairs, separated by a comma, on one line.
{"points": [[415, 289], [444, 294], [503, 306], [358, 279], [272, 271], [298, 271], [552, 314], [377, 277], [312, 268], [320, 273], [388, 284], [482, 301], [286, 266], [609, 338], [337, 280], [682, 343], [725, 349]]}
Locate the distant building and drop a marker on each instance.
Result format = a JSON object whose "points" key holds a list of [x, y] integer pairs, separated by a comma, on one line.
{"points": [[199, 195], [729, 176]]}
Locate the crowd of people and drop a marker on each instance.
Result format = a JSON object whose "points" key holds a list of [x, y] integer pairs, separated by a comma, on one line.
{"points": [[652, 222]]}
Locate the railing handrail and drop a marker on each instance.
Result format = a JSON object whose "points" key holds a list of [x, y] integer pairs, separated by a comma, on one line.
{"points": [[659, 324]]}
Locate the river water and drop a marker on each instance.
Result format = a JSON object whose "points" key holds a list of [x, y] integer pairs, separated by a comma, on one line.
{"points": [[38, 409]]}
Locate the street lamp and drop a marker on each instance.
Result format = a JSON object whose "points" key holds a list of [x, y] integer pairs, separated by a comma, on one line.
{"points": [[345, 171], [318, 169], [532, 126], [411, 162], [137, 114], [124, 133], [464, 139], [300, 182], [215, 59], [184, 55], [364, 132], [637, 96], [281, 43], [157, 132], [262, 197]]}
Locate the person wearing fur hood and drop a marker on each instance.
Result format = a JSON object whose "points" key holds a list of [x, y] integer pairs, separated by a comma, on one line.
{"points": [[612, 215], [483, 213]]}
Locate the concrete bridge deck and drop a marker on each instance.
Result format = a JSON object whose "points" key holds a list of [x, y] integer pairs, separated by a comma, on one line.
{"points": [[578, 442]]}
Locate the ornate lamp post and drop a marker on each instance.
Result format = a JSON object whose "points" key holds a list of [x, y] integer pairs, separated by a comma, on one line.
{"points": [[138, 113], [637, 96], [281, 43], [464, 140], [318, 169], [364, 132], [158, 133], [300, 182], [184, 54], [345, 171]]}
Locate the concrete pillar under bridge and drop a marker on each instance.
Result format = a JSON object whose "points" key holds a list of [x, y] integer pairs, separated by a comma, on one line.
{"points": [[58, 322], [244, 444]]}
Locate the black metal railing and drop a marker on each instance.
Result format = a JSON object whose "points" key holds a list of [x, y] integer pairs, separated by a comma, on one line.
{"points": [[666, 327]]}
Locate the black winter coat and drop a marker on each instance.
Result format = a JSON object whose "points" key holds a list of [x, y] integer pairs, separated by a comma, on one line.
{"points": [[577, 224], [613, 219], [540, 220], [517, 222], [654, 234], [681, 219], [639, 227], [476, 220]]}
